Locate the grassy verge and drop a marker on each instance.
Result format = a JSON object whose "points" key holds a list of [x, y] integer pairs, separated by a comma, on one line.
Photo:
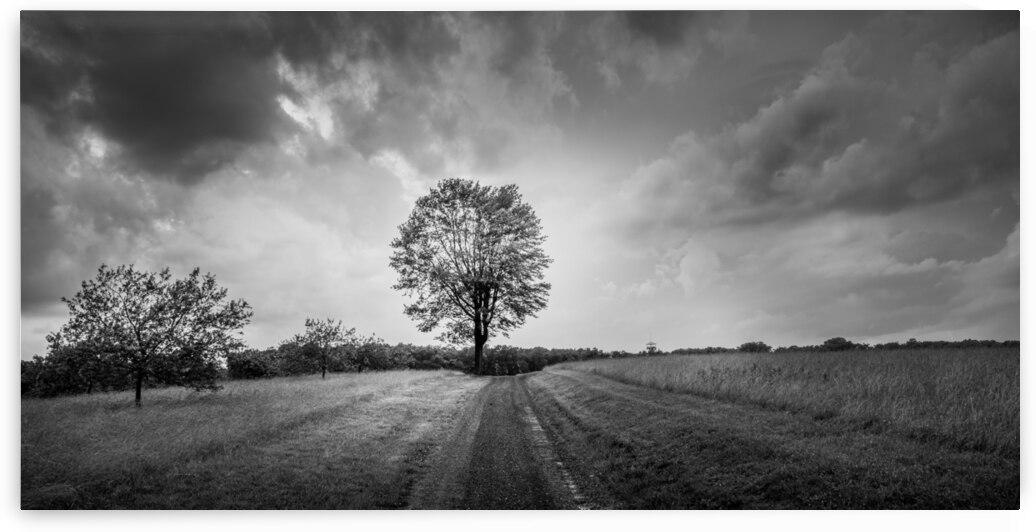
{"points": [[637, 447], [350, 441], [966, 397]]}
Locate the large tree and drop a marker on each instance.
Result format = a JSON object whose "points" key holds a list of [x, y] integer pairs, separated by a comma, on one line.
{"points": [[472, 255], [150, 327]]}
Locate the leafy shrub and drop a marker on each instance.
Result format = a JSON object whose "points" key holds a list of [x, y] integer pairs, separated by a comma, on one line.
{"points": [[754, 347]]}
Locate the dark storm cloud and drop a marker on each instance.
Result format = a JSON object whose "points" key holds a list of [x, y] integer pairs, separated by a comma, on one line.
{"points": [[658, 48], [887, 119], [412, 43], [38, 234], [876, 196], [446, 85], [415, 42], [119, 108], [522, 36], [778, 74], [666, 28], [305, 38], [182, 93], [78, 212]]}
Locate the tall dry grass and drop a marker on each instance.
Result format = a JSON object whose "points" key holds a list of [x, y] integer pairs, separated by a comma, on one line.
{"points": [[966, 396]]}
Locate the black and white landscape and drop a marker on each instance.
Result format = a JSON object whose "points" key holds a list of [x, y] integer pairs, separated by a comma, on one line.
{"points": [[718, 259]]}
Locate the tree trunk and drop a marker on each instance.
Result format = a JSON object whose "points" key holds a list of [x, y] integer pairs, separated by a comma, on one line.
{"points": [[140, 384], [323, 371], [481, 335], [478, 345], [479, 362]]}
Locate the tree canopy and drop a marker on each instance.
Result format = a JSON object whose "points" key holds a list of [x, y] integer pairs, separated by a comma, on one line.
{"points": [[147, 326], [325, 335], [472, 257], [754, 347]]}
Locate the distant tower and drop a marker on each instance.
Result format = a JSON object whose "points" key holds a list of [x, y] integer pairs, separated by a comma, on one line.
{"points": [[652, 348]]}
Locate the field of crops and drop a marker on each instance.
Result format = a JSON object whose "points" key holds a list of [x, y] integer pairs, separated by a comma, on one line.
{"points": [[967, 397]]}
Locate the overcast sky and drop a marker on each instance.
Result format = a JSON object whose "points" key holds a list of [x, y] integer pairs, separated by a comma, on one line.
{"points": [[703, 178]]}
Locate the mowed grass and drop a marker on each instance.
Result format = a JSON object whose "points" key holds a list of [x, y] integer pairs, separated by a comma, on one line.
{"points": [[967, 397], [350, 441]]}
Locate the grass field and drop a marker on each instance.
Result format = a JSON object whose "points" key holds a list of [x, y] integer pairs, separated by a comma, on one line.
{"points": [[350, 441], [969, 398], [916, 429], [632, 446]]}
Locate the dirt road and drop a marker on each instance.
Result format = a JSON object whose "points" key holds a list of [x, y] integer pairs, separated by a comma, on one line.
{"points": [[497, 457], [444, 440], [634, 447]]}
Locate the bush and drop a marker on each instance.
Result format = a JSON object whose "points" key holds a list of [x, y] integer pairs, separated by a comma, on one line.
{"points": [[251, 364], [70, 370], [754, 347]]}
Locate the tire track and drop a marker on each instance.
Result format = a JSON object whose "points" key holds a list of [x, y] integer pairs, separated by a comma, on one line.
{"points": [[497, 456], [548, 453]]}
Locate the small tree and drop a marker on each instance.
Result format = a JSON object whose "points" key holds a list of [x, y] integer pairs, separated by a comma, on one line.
{"points": [[148, 327], [369, 353], [324, 336], [473, 256]]}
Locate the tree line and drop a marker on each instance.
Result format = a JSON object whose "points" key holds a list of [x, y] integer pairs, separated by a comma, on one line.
{"points": [[327, 347], [838, 344], [292, 358], [70, 370]]}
